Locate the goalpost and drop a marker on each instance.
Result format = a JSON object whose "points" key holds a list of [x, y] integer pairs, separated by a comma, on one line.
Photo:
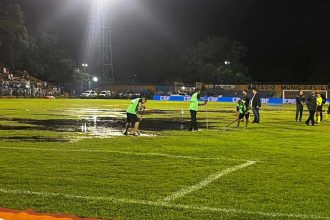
{"points": [[289, 96]]}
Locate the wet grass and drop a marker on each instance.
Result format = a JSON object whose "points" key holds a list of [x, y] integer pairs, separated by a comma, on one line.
{"points": [[42, 150]]}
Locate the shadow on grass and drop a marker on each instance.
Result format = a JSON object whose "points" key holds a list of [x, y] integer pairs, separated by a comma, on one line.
{"points": [[34, 139]]}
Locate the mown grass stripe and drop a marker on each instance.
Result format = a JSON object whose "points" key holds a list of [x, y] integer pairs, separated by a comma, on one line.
{"points": [[165, 204], [122, 152]]}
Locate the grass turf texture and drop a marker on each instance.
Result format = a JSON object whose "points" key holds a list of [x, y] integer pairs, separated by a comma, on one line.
{"points": [[129, 177]]}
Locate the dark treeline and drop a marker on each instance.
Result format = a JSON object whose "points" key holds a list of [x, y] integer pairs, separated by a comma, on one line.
{"points": [[36, 44]]}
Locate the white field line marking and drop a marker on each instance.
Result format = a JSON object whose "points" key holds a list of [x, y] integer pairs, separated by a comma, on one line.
{"points": [[164, 204], [206, 181], [121, 152]]}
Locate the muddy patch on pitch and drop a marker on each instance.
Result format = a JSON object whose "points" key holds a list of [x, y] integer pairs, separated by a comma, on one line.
{"points": [[102, 123]]}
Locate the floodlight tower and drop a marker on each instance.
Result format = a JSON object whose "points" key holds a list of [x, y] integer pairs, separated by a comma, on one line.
{"points": [[105, 66]]}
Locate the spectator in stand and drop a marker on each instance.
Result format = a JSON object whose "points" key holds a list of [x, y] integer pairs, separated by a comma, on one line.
{"points": [[256, 105], [300, 100]]}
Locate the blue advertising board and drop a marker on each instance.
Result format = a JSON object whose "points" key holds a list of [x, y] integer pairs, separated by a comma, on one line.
{"points": [[271, 101]]}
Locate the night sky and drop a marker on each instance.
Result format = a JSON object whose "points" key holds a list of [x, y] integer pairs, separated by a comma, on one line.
{"points": [[285, 38]]}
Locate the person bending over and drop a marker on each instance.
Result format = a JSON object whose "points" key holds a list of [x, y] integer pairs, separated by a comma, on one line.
{"points": [[133, 119], [242, 112]]}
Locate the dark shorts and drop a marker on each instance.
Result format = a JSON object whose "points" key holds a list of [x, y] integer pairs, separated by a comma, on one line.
{"points": [[247, 116], [319, 108], [131, 118]]}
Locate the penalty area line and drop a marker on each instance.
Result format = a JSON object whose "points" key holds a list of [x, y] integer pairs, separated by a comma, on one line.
{"points": [[207, 181], [164, 204]]}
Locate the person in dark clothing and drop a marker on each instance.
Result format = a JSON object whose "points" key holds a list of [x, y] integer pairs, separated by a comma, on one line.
{"points": [[311, 106], [300, 100], [246, 101], [256, 105], [324, 101]]}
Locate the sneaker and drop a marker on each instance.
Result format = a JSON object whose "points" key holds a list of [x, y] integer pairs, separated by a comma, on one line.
{"points": [[125, 133], [307, 123]]}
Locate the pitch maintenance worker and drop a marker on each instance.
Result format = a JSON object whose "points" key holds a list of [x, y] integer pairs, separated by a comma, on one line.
{"points": [[193, 108]]}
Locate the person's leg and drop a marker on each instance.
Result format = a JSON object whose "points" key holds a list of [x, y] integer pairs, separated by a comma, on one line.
{"points": [[312, 117], [195, 121], [301, 112], [254, 115], [318, 115], [136, 127], [128, 123], [321, 114], [247, 119], [309, 118], [258, 115], [136, 124], [192, 119], [239, 119], [297, 111]]}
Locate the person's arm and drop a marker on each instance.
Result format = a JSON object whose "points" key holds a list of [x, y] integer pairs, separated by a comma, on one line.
{"points": [[204, 103], [298, 101], [258, 101], [237, 112], [200, 104], [307, 100]]}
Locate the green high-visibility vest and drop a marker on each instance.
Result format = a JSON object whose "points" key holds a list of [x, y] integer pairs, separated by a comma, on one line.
{"points": [[194, 102], [241, 108], [132, 108]]}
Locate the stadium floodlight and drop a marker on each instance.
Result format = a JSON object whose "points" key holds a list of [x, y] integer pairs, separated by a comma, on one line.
{"points": [[84, 65], [183, 88], [227, 62], [95, 79]]}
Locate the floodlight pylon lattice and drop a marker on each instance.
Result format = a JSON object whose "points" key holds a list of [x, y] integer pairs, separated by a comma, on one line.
{"points": [[105, 65]]}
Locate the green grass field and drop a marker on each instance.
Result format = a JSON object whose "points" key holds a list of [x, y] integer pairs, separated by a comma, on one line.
{"points": [[278, 169]]}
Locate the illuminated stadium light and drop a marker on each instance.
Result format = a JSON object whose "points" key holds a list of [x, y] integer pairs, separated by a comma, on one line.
{"points": [[95, 79]]}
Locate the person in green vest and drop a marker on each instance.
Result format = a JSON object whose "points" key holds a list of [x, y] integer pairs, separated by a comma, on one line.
{"points": [[193, 108], [242, 111], [133, 120]]}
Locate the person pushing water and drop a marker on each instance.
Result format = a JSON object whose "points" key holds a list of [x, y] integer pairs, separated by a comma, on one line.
{"points": [[133, 119]]}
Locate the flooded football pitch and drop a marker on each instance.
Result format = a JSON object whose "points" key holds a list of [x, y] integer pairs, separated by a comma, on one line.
{"points": [[93, 122]]}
